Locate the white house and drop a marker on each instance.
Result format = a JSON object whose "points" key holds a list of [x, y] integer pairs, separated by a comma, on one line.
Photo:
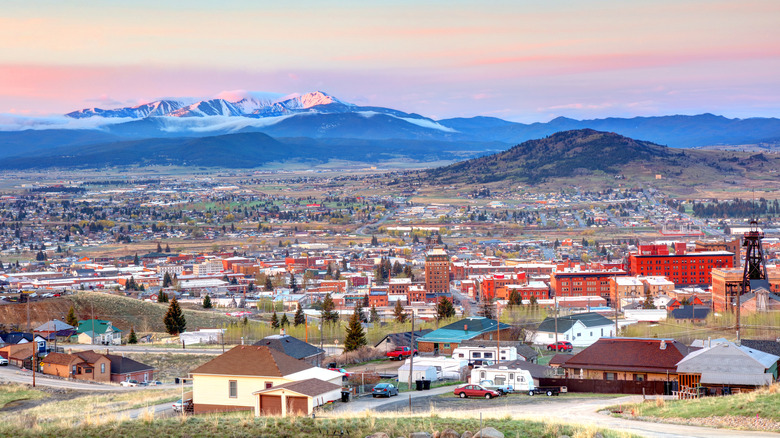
{"points": [[581, 329]]}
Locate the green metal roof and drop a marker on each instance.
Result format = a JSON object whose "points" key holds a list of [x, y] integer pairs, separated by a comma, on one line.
{"points": [[463, 330]]}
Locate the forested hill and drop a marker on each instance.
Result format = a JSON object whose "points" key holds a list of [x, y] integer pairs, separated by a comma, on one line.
{"points": [[563, 154]]}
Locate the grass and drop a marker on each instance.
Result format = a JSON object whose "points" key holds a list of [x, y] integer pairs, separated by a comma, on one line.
{"points": [[13, 392], [246, 425], [716, 325], [171, 365], [762, 403]]}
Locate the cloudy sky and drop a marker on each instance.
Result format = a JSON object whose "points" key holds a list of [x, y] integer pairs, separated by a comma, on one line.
{"points": [[520, 60]]}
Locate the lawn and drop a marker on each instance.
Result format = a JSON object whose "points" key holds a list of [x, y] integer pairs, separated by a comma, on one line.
{"points": [[12, 392], [246, 425]]}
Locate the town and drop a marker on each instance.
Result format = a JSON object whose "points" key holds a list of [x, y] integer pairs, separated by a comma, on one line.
{"points": [[291, 294]]}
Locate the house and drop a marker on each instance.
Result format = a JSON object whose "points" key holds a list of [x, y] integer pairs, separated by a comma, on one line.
{"points": [[20, 355], [52, 326], [229, 381], [392, 340], [296, 398], [725, 365], [294, 347], [16, 338], [581, 329], [97, 331], [446, 339], [123, 369], [634, 359], [692, 313], [84, 365]]}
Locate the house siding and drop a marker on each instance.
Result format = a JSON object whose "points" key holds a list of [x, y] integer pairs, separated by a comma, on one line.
{"points": [[209, 390]]}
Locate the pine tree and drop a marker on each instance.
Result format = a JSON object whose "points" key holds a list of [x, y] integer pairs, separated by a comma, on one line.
{"points": [[207, 302], [162, 297], [444, 309], [159, 248], [398, 312], [71, 318], [293, 283], [359, 310], [329, 272], [167, 248], [132, 339], [374, 242], [274, 320], [515, 299], [269, 286], [328, 310], [136, 261], [285, 322], [356, 337], [374, 315], [174, 319], [167, 280], [299, 318]]}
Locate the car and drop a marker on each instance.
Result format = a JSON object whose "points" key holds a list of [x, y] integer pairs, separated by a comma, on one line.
{"points": [[472, 390], [340, 370], [130, 383], [560, 346], [155, 383], [401, 353], [3, 362], [187, 404], [384, 390]]}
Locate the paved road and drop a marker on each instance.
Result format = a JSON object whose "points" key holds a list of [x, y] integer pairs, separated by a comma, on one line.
{"points": [[16, 375], [140, 348]]}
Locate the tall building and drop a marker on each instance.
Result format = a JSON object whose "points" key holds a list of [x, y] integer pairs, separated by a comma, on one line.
{"points": [[437, 271], [681, 268]]}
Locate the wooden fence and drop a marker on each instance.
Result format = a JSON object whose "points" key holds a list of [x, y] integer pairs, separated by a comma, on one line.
{"points": [[610, 386]]}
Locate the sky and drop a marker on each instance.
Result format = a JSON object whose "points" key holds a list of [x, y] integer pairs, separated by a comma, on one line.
{"points": [[524, 61]]}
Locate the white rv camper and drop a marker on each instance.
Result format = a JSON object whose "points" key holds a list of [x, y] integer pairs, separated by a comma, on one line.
{"points": [[486, 352]]}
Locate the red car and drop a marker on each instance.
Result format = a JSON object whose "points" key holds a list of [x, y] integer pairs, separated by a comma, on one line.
{"points": [[341, 370], [401, 353], [560, 346], [475, 391]]}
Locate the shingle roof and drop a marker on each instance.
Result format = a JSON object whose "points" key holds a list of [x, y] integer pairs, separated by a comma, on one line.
{"points": [[60, 358], [252, 360], [630, 354], [89, 356], [771, 347], [560, 358], [53, 326], [691, 312], [124, 365], [404, 338], [310, 387], [290, 346], [589, 319]]}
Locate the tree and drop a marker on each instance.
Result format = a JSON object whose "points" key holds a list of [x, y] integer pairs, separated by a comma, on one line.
{"points": [[374, 242], [268, 284], [299, 318], [71, 318], [274, 320], [285, 322], [132, 339], [174, 319], [167, 280], [167, 248], [444, 309], [328, 312], [515, 299], [486, 308], [207, 302], [135, 260], [159, 247], [359, 310], [374, 314], [293, 283], [398, 312], [162, 297], [356, 337]]}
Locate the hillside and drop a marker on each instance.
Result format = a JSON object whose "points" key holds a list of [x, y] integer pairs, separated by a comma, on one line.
{"points": [[123, 312], [583, 153]]}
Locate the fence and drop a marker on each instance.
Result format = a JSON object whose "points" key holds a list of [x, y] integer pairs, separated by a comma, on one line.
{"points": [[610, 386]]}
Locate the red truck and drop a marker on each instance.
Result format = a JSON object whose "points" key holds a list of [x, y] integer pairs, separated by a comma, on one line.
{"points": [[401, 353]]}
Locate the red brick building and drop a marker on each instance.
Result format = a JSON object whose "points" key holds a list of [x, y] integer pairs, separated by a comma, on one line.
{"points": [[495, 286], [437, 271], [575, 283], [682, 269]]}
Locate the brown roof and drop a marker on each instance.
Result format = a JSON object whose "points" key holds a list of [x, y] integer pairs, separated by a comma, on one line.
{"points": [[61, 359], [560, 358], [251, 360], [310, 387], [90, 356], [630, 354]]}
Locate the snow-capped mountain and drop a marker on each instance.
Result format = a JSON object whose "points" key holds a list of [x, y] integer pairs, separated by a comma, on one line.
{"points": [[245, 107]]}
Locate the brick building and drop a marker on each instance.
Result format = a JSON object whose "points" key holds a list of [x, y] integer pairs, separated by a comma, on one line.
{"points": [[682, 269], [495, 286], [576, 283], [722, 278], [437, 271]]}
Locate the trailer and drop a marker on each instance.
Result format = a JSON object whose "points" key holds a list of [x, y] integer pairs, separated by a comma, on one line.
{"points": [[548, 390]]}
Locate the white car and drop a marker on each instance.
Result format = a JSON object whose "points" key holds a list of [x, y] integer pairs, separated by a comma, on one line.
{"points": [[3, 361], [132, 382]]}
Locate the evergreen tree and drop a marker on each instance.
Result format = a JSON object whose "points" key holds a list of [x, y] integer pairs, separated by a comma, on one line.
{"points": [[329, 272], [293, 283], [167, 280], [444, 309], [515, 299], [71, 319], [207, 302], [359, 310], [159, 247], [398, 312], [174, 319], [356, 337], [328, 310], [162, 297], [337, 274], [136, 261], [132, 339], [285, 322], [374, 315], [299, 318], [167, 248], [374, 242], [486, 309], [269, 286], [274, 320]]}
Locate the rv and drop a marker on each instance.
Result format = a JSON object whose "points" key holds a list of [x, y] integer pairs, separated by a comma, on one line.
{"points": [[446, 368], [486, 352], [521, 380]]}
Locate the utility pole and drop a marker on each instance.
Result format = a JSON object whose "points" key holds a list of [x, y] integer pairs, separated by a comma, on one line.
{"points": [[411, 359], [27, 298], [555, 301], [498, 332]]}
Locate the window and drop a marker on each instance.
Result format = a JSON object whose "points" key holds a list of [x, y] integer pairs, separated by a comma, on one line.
{"points": [[481, 374], [640, 377], [269, 385], [476, 355], [232, 388], [446, 346], [461, 355], [610, 376], [488, 355], [102, 368], [74, 368]]}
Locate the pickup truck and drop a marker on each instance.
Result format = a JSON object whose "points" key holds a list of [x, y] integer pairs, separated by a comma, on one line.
{"points": [[501, 389], [549, 390], [401, 353]]}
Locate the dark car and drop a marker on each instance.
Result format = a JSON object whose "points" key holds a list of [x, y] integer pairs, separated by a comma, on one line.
{"points": [[560, 346], [475, 391], [384, 390]]}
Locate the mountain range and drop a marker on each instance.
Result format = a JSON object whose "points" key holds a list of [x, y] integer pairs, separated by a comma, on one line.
{"points": [[317, 126]]}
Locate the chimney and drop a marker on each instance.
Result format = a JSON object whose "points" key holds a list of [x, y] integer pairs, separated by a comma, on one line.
{"points": [[663, 344], [283, 332]]}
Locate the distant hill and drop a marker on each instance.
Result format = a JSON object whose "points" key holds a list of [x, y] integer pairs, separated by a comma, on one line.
{"points": [[584, 152]]}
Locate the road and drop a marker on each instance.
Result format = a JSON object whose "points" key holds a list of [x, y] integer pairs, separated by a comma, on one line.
{"points": [[361, 231], [16, 375], [141, 348]]}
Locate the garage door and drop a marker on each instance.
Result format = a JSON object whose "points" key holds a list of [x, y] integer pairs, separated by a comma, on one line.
{"points": [[297, 406], [270, 404]]}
